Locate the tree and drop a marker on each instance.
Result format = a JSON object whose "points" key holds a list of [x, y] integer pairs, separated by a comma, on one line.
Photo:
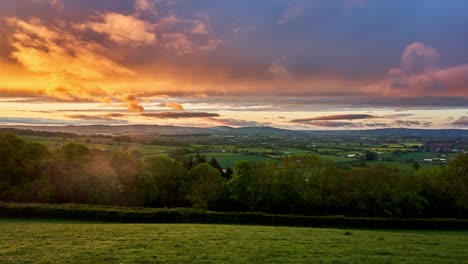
{"points": [[169, 176], [261, 185], [372, 191], [20, 163], [312, 179], [147, 189], [228, 174], [206, 185], [215, 164], [456, 180], [126, 167], [370, 155], [240, 184]]}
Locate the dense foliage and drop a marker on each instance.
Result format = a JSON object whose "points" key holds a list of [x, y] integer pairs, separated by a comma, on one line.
{"points": [[299, 184]]}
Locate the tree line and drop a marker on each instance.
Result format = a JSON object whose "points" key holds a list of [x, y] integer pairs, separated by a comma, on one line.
{"points": [[298, 184]]}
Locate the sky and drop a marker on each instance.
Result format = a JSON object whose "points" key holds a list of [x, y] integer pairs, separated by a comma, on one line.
{"points": [[297, 64]]}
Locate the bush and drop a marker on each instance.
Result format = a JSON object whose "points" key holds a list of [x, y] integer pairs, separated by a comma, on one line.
{"points": [[185, 215]]}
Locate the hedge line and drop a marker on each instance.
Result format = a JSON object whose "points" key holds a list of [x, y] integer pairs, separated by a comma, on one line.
{"points": [[187, 215]]}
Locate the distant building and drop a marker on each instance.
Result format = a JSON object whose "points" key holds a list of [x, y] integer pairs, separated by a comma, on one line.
{"points": [[455, 147], [439, 146]]}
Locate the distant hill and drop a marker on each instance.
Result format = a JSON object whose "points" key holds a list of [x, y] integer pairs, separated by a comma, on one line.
{"points": [[157, 130], [244, 131], [395, 132]]}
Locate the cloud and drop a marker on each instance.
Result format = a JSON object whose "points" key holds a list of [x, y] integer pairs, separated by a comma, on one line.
{"points": [[335, 121], [179, 115], [133, 104], [178, 42], [80, 55], [376, 125], [145, 6], [199, 28], [115, 115], [63, 64], [335, 117], [232, 122], [279, 70], [34, 121], [123, 29], [330, 124], [409, 123], [173, 105], [55, 51], [211, 44], [461, 122], [419, 73], [58, 4], [294, 10], [89, 117], [417, 57], [398, 115]]}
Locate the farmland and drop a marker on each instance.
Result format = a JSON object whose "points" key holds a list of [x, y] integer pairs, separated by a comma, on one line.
{"points": [[257, 148], [51, 241]]}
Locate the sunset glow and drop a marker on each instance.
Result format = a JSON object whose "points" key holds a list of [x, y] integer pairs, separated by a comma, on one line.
{"points": [[297, 64]]}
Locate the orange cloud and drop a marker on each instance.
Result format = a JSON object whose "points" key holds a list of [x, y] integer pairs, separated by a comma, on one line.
{"points": [[59, 53], [133, 104], [178, 42], [89, 117], [179, 115], [173, 105], [115, 115], [199, 28], [123, 29]]}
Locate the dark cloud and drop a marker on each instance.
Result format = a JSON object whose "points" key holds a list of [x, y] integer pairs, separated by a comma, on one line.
{"points": [[461, 122], [398, 115], [235, 122], [410, 123], [89, 117], [179, 115], [115, 115], [331, 124], [35, 121], [335, 117], [376, 125]]}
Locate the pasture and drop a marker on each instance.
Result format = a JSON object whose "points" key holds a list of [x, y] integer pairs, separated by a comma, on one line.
{"points": [[45, 241]]}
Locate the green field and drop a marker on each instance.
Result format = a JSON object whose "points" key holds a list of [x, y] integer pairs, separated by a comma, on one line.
{"points": [[228, 155], [43, 241], [146, 150]]}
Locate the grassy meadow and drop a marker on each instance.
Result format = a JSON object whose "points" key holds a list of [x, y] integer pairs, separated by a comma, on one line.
{"points": [[45, 241]]}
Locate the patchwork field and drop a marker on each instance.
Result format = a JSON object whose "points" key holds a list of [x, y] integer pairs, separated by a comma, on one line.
{"points": [[227, 155], [45, 241]]}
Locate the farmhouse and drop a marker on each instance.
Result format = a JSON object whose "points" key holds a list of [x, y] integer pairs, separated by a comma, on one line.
{"points": [[439, 146]]}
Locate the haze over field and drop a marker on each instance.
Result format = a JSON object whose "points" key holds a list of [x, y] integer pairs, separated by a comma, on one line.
{"points": [[295, 64]]}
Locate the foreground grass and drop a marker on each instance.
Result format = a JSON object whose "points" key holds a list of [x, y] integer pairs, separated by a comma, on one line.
{"points": [[41, 241]]}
